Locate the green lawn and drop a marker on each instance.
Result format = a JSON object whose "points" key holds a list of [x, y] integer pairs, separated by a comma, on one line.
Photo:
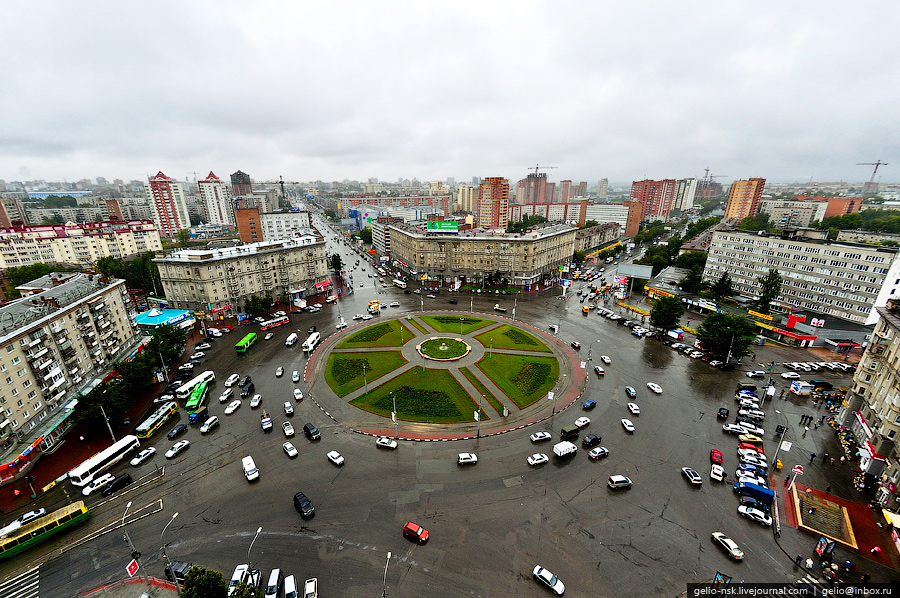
{"points": [[431, 396], [421, 328], [453, 348], [524, 378], [380, 334], [510, 337], [452, 323], [498, 407], [344, 371]]}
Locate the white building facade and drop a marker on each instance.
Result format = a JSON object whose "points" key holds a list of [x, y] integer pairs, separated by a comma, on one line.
{"points": [[218, 200]]}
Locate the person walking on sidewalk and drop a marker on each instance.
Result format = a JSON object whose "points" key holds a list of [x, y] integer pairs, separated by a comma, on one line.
{"points": [[811, 457]]}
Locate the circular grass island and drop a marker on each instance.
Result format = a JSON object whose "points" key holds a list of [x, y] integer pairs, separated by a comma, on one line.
{"points": [[443, 349]]}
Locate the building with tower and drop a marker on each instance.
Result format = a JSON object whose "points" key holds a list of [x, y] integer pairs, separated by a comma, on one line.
{"points": [[217, 200], [535, 189], [168, 207], [744, 198], [493, 203]]}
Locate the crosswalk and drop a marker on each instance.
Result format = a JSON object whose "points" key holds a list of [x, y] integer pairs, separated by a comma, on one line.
{"points": [[24, 585], [813, 583]]}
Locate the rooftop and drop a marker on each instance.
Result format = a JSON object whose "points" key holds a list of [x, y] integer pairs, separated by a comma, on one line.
{"points": [[224, 253], [487, 233], [156, 317]]}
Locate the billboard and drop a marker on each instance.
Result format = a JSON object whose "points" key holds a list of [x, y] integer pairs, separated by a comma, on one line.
{"points": [[443, 226]]}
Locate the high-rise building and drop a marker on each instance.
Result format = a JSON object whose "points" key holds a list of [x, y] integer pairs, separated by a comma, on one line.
{"points": [[743, 199], [240, 184], [217, 200], [12, 213], [493, 202], [685, 191], [657, 198], [113, 210], [635, 217], [565, 191], [535, 189], [168, 207], [249, 225], [579, 190], [465, 198], [603, 189]]}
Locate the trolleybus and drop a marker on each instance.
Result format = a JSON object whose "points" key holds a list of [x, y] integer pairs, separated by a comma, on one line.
{"points": [[84, 473]]}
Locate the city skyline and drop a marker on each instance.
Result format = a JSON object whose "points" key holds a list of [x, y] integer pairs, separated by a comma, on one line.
{"points": [[320, 92]]}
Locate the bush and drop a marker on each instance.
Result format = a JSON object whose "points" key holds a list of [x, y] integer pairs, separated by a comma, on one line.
{"points": [[427, 403], [532, 377], [370, 334], [455, 320], [344, 370], [519, 338]]}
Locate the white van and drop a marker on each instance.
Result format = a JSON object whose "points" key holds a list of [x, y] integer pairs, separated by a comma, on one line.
{"points": [[209, 425], [290, 340], [290, 587], [250, 470], [273, 588]]}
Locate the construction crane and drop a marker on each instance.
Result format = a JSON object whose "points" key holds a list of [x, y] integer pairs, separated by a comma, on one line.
{"points": [[876, 164], [539, 167], [281, 182]]}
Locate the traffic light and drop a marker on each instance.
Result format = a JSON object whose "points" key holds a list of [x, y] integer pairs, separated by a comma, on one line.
{"points": [[135, 554], [779, 429]]}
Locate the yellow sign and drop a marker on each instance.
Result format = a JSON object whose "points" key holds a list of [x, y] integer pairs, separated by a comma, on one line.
{"points": [[759, 315]]}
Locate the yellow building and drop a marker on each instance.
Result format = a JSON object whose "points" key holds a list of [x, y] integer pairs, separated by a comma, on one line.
{"points": [[743, 200]]}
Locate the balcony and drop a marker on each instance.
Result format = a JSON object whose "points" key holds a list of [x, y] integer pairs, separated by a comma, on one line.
{"points": [[105, 325], [54, 372], [82, 315], [98, 306], [37, 355], [45, 364], [57, 384], [37, 341]]}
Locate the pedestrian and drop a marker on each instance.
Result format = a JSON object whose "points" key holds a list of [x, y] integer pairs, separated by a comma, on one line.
{"points": [[832, 461], [828, 490], [811, 457], [843, 458], [805, 430], [786, 482], [875, 549], [825, 457], [799, 559]]}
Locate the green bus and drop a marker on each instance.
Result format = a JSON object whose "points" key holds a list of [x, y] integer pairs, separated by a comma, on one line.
{"points": [[246, 343], [197, 398], [36, 531]]}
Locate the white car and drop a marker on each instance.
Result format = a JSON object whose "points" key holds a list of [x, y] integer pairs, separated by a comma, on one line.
{"points": [[197, 355], [790, 375], [279, 313], [395, 304], [755, 515], [605, 359], [232, 380], [336, 458], [751, 429], [388, 443], [633, 407], [288, 429], [269, 335], [255, 401], [729, 545], [143, 456], [537, 459], [750, 453], [31, 516], [288, 408], [202, 346], [98, 483], [367, 317], [756, 374], [628, 425], [279, 372], [298, 394], [289, 449], [655, 387], [548, 579], [582, 422], [295, 377], [341, 325], [177, 448], [734, 429], [233, 406], [358, 317], [226, 394], [466, 458], [717, 472]]}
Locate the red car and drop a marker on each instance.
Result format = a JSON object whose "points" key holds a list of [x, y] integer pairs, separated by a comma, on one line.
{"points": [[226, 328], [415, 532], [715, 456], [752, 447]]}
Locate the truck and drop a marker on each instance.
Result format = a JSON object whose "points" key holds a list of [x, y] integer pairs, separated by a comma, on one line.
{"points": [[570, 431], [760, 493], [565, 449], [801, 389], [498, 308], [265, 421], [677, 334], [374, 307]]}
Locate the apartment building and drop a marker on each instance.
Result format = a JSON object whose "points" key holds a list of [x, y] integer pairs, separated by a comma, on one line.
{"points": [[844, 280], [597, 236], [80, 244], [222, 279], [493, 202], [218, 202], [469, 255], [656, 197], [285, 225], [744, 198], [572, 213], [168, 204]]}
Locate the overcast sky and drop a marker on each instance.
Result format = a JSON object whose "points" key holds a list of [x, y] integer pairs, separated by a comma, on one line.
{"points": [[429, 89]]}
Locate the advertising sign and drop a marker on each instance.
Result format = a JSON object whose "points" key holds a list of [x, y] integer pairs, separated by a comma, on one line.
{"points": [[443, 226]]}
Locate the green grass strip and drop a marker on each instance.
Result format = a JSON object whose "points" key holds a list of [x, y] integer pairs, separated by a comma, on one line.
{"points": [[421, 328], [422, 395], [524, 378], [456, 324], [344, 371], [497, 405], [510, 337], [390, 333]]}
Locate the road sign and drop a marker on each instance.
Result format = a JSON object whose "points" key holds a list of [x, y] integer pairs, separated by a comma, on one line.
{"points": [[132, 568], [798, 469]]}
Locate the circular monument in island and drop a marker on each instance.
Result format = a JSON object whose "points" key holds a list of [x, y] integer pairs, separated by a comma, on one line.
{"points": [[443, 349]]}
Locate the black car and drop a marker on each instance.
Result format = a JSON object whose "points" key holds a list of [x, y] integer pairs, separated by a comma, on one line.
{"points": [[178, 570], [303, 505], [722, 413], [407, 292], [177, 431], [245, 381], [171, 388], [248, 390], [311, 329], [747, 501], [453, 301], [590, 440], [311, 431], [117, 484]]}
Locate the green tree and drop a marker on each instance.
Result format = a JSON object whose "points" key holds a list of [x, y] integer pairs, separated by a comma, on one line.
{"points": [[336, 262], [167, 342], [59, 201], [578, 256], [722, 334], [833, 233], [244, 590], [758, 222], [53, 220], [666, 313], [528, 221], [21, 274], [769, 289], [138, 273], [195, 219], [723, 287], [258, 305], [184, 237], [203, 583], [366, 235], [589, 224], [693, 281], [690, 259]]}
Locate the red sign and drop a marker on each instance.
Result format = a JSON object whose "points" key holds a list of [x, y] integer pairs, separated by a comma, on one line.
{"points": [[798, 469], [217, 310], [132, 568]]}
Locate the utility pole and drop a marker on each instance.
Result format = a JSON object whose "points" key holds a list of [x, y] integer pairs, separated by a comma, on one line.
{"points": [[166, 556], [108, 427], [134, 553], [384, 580]]}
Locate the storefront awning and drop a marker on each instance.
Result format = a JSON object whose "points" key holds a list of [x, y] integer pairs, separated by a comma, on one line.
{"points": [[324, 284]]}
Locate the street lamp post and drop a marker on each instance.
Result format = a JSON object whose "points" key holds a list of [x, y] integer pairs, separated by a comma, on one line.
{"points": [[394, 416], [384, 580], [108, 426], [365, 380], [460, 325], [471, 304], [249, 563], [166, 556], [479, 417], [515, 303], [134, 553]]}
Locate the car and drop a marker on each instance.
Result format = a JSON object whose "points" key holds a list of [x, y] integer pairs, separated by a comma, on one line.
{"points": [[226, 328], [751, 438], [752, 413], [692, 476], [715, 456], [395, 304], [678, 346], [756, 374], [576, 345], [755, 515], [628, 425], [748, 501], [548, 579], [618, 481], [202, 347], [295, 376], [232, 380], [226, 395], [733, 429], [453, 302], [730, 546], [630, 392], [336, 458], [99, 483], [279, 313], [598, 452], [590, 440], [31, 516], [248, 390], [298, 394], [790, 375], [750, 446], [177, 448], [210, 424], [367, 317], [143, 456], [752, 429], [634, 408], [415, 532], [303, 505], [245, 381], [385, 442], [311, 329], [279, 372], [582, 422], [289, 449], [358, 317], [197, 355], [599, 370], [655, 387], [233, 406], [341, 325], [288, 429], [588, 405], [166, 397], [177, 431], [429, 296], [715, 363], [268, 336], [722, 413], [466, 458], [745, 469], [605, 359], [717, 472], [751, 460], [186, 367], [255, 401], [540, 436]]}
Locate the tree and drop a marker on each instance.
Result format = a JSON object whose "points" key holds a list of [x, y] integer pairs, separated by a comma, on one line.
{"points": [[769, 289], [722, 334], [203, 583], [366, 235], [758, 222], [54, 219], [243, 590], [578, 256], [833, 233], [666, 313], [527, 222], [690, 259], [258, 305], [167, 342], [195, 219], [723, 287], [693, 282], [184, 237], [589, 224], [336, 262], [139, 273]]}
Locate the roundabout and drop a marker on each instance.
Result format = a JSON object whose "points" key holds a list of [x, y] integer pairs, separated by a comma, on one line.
{"points": [[443, 349]]}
